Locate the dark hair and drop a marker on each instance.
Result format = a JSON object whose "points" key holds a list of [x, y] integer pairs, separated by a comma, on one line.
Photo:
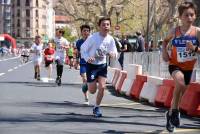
{"points": [[186, 5], [60, 31], [84, 26], [138, 33], [102, 19]]}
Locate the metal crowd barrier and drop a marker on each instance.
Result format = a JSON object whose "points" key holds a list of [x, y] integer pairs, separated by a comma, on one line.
{"points": [[153, 64]]}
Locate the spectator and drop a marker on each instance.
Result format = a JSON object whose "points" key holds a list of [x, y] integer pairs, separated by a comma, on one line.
{"points": [[124, 44], [141, 43]]}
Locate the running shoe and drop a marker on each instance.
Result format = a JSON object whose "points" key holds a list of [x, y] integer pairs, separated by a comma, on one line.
{"points": [[175, 118], [59, 81], [38, 77], [84, 88], [35, 76], [169, 125], [87, 102], [97, 112]]}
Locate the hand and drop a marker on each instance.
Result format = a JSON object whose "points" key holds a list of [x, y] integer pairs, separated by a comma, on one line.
{"points": [[190, 46], [91, 59]]}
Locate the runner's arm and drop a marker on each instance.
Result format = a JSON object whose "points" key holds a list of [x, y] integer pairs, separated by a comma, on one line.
{"points": [[165, 54]]}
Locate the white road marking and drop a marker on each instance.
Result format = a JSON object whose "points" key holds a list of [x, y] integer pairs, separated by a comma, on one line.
{"points": [[121, 104], [180, 130], [10, 70], [46, 79], [2, 74], [15, 67]]}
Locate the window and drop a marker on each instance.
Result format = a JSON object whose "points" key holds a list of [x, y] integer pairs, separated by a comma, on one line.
{"points": [[18, 33], [18, 12], [18, 22], [27, 23], [37, 23], [27, 3], [27, 13], [18, 2], [36, 13], [37, 4]]}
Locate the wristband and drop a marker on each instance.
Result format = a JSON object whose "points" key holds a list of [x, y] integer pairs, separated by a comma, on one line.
{"points": [[196, 48]]}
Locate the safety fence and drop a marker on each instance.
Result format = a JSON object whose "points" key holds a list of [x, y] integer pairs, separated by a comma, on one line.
{"points": [[152, 64]]}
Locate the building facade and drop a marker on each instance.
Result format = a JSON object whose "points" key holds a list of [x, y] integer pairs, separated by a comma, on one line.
{"points": [[31, 18], [5, 16]]}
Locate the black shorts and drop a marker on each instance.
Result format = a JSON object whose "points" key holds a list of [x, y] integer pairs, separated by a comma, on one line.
{"points": [[93, 71], [70, 57], [187, 74], [25, 56], [47, 63]]}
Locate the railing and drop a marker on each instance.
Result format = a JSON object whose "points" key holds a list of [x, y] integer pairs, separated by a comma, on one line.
{"points": [[152, 64]]}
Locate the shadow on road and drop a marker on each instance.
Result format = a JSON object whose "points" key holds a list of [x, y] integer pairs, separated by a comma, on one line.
{"points": [[40, 83], [157, 109]]}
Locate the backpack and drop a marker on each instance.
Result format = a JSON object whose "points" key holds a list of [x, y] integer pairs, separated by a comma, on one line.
{"points": [[133, 44]]}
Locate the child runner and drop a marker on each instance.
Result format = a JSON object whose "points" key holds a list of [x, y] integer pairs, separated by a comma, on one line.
{"points": [[85, 32], [61, 44], [185, 44], [94, 50], [49, 58], [36, 49]]}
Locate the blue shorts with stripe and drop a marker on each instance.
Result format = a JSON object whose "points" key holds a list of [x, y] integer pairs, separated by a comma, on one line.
{"points": [[94, 71]]}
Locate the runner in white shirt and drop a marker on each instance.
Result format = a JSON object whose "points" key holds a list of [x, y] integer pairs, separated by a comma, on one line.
{"points": [[94, 50], [36, 49], [61, 45], [25, 54]]}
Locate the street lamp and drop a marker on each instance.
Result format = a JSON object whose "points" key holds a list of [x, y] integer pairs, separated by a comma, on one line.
{"points": [[118, 9]]}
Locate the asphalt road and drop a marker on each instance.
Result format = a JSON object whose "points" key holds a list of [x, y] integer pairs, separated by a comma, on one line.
{"points": [[28, 106]]}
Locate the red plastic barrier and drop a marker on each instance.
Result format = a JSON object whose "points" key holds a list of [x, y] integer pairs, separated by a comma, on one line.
{"points": [[138, 85], [115, 78], [190, 101], [123, 76], [165, 93]]}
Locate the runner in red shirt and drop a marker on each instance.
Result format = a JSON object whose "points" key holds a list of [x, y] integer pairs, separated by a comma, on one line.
{"points": [[49, 58]]}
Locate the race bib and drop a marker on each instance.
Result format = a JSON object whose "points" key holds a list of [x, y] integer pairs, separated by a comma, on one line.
{"points": [[184, 55], [49, 57]]}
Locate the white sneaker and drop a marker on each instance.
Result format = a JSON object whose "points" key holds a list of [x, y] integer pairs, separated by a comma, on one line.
{"points": [[87, 102]]}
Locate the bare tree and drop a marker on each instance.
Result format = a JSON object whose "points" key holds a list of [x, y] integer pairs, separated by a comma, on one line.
{"points": [[163, 12], [89, 11], [197, 2]]}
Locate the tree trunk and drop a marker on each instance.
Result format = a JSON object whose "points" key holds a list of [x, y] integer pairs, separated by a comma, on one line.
{"points": [[197, 22]]}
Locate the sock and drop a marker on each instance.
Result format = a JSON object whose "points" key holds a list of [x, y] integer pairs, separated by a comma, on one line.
{"points": [[84, 88]]}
